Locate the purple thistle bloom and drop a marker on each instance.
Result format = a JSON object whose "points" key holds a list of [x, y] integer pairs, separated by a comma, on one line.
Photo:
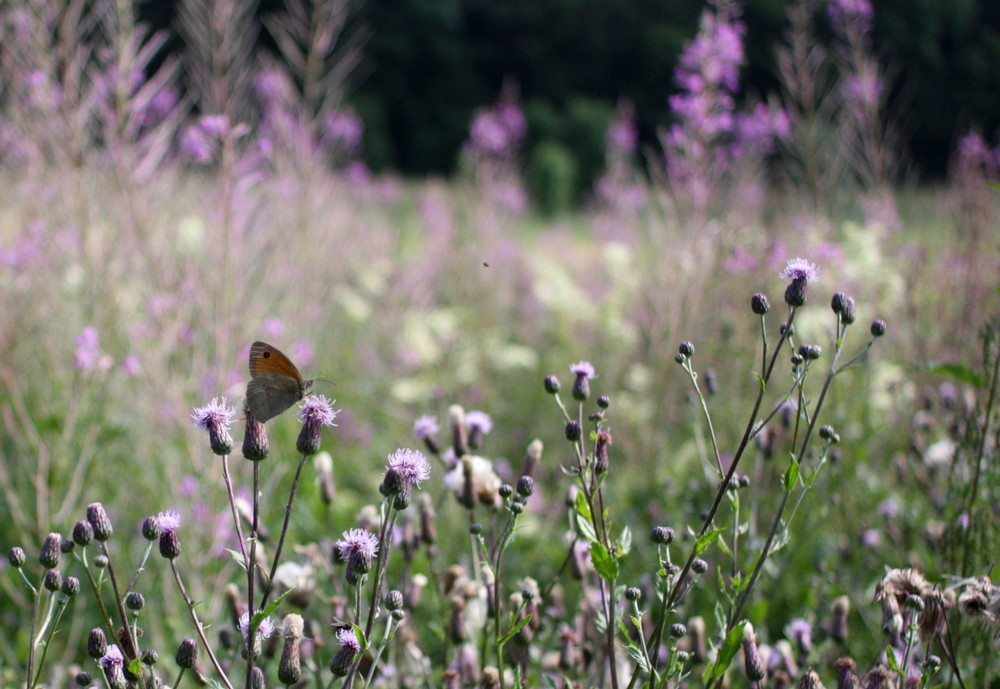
{"points": [[88, 356], [410, 465], [358, 542], [800, 269], [425, 427], [113, 657], [215, 413], [215, 126], [583, 368], [317, 409], [800, 633], [169, 521], [347, 637], [478, 421], [264, 630], [196, 145]]}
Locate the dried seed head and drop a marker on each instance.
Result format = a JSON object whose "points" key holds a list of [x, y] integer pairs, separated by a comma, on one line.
{"points": [[809, 680], [840, 609]]}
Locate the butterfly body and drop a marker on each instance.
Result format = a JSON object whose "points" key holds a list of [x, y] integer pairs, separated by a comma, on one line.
{"points": [[275, 383]]}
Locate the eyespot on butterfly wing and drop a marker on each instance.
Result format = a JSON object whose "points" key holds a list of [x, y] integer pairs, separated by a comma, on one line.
{"points": [[275, 383]]}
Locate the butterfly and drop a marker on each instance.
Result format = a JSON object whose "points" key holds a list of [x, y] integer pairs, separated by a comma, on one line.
{"points": [[275, 384]]}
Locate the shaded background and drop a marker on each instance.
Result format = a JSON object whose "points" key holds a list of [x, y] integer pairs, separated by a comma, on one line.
{"points": [[428, 64]]}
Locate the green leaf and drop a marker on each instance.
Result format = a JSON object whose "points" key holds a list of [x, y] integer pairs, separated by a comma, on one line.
{"points": [[624, 542], [726, 654], [791, 475], [135, 667], [760, 380], [515, 629], [890, 659], [271, 607], [724, 547], [636, 654], [586, 529], [605, 565], [362, 639], [957, 371], [706, 540], [582, 508], [238, 558]]}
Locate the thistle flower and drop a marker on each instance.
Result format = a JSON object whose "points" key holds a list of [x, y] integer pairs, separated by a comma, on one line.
{"points": [[187, 654], [112, 662], [97, 643], [349, 649], [406, 469], [83, 533], [170, 544], [264, 631], [809, 680], [357, 547], [846, 679], [801, 272], [216, 418], [315, 412], [425, 428], [581, 384], [478, 424], [51, 549]]}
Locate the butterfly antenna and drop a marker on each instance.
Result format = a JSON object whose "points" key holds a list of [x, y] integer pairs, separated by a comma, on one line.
{"points": [[324, 380]]}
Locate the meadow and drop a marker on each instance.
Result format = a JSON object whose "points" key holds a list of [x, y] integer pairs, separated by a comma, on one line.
{"points": [[730, 422]]}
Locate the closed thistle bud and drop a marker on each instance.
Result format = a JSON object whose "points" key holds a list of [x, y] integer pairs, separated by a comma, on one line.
{"points": [[551, 384], [255, 443], [699, 566], [48, 556], [846, 679], [170, 545], [52, 579], [187, 654], [84, 678], [97, 643], [70, 586], [838, 302], [759, 304], [752, 663], [525, 486], [290, 665], [393, 600], [809, 680], [67, 545], [150, 528], [686, 349], [840, 609], [505, 490], [573, 431], [101, 561], [16, 557], [134, 601], [257, 678], [850, 312], [632, 593], [795, 293], [810, 352], [661, 535], [150, 657], [603, 401], [879, 677], [83, 533], [392, 483], [677, 630], [878, 328], [98, 518], [601, 461]]}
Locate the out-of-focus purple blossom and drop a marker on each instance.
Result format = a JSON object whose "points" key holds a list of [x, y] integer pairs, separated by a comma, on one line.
{"points": [[425, 426], [864, 89], [963, 521], [131, 365], [889, 509], [623, 135], [273, 87], [761, 127], [800, 633], [214, 126], [479, 420], [742, 261], [196, 146], [344, 130], [88, 355], [871, 538], [847, 14], [358, 174], [160, 105], [715, 55], [302, 352], [274, 327], [499, 130]]}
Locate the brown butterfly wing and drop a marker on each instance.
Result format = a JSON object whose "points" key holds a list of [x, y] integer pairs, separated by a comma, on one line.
{"points": [[269, 394], [265, 359]]}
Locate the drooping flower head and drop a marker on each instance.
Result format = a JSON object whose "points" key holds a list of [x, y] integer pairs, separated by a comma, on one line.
{"points": [[216, 418]]}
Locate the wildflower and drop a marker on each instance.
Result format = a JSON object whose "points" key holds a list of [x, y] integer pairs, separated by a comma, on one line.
{"points": [[215, 417], [809, 680], [661, 535], [551, 384], [933, 616], [879, 677], [98, 518], [425, 428], [801, 273], [759, 304], [846, 679], [290, 665], [473, 480], [409, 468], [52, 580], [264, 630], [88, 355], [316, 411], [16, 557], [878, 328], [800, 632], [573, 430], [255, 443], [70, 586], [357, 547], [581, 384], [170, 544], [187, 654], [478, 424], [150, 529], [349, 649], [83, 533], [112, 662], [601, 462], [840, 608]]}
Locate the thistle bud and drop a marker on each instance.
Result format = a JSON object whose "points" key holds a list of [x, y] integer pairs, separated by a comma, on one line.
{"points": [[84, 678], [759, 304], [661, 535], [878, 328], [51, 549], [150, 657], [70, 586], [525, 486], [532, 457], [52, 580], [16, 557], [150, 528], [551, 384], [97, 643], [581, 384], [255, 443], [573, 431], [632, 593], [290, 665], [83, 533], [846, 679], [686, 349], [795, 293], [601, 461], [98, 518], [134, 601], [752, 663], [393, 600]]}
